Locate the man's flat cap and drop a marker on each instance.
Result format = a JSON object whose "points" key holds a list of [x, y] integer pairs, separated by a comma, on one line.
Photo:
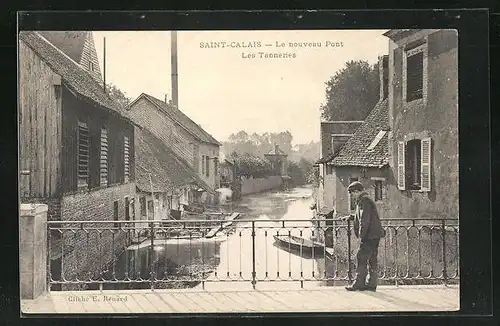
{"points": [[355, 186]]}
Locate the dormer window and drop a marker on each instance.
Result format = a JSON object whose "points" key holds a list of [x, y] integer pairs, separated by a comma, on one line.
{"points": [[415, 71], [91, 66]]}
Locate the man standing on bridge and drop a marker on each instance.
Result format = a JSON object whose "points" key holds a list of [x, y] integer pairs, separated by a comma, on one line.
{"points": [[368, 229]]}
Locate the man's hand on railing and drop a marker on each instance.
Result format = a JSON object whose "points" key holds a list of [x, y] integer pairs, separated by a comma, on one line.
{"points": [[347, 218]]}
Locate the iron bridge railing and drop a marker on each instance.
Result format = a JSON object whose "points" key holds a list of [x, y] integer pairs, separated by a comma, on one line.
{"points": [[187, 253]]}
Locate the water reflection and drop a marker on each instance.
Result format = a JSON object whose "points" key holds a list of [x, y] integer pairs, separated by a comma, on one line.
{"points": [[229, 256]]}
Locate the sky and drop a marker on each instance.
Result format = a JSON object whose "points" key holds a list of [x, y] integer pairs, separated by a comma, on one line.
{"points": [[225, 89]]}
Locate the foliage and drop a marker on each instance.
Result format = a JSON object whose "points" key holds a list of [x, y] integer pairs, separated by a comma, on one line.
{"points": [[308, 151], [116, 94], [250, 165], [248, 150], [258, 144], [352, 92]]}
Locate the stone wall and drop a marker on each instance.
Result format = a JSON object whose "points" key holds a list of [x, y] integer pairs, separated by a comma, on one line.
{"points": [[437, 118], [33, 250], [251, 186], [87, 253]]}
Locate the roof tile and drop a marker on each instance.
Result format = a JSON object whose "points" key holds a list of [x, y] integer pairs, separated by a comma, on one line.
{"points": [[73, 75], [168, 170], [355, 151]]}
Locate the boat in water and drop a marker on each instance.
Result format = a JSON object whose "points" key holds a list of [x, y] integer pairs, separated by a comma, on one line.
{"points": [[299, 244]]}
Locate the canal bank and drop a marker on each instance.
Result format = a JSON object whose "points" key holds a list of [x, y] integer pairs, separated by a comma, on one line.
{"points": [[228, 256]]}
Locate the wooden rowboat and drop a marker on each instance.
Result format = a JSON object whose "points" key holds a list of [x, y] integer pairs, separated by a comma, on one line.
{"points": [[298, 243]]}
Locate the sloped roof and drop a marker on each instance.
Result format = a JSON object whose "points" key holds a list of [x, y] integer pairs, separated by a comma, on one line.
{"points": [[168, 170], [74, 77], [276, 151], [326, 158], [70, 42], [180, 118], [355, 151]]}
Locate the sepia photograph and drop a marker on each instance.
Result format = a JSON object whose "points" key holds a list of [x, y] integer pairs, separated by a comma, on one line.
{"points": [[238, 171]]}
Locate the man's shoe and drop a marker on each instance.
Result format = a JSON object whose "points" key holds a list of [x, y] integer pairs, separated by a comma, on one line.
{"points": [[371, 288], [355, 287]]}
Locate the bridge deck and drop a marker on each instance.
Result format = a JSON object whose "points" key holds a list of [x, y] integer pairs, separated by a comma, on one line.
{"points": [[325, 299]]}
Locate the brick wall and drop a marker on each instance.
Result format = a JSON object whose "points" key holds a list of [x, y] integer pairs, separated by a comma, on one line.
{"points": [[89, 252]]}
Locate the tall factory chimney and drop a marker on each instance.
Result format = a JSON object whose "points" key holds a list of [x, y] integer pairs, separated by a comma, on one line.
{"points": [[173, 61]]}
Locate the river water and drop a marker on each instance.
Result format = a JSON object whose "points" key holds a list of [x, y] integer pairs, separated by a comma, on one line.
{"points": [[229, 256]]}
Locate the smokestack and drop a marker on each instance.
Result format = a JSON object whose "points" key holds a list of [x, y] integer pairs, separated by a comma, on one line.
{"points": [[173, 61], [104, 64], [383, 66]]}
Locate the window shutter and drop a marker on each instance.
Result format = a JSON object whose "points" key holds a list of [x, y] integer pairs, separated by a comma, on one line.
{"points": [[126, 158], [103, 162], [401, 165], [83, 154], [425, 161]]}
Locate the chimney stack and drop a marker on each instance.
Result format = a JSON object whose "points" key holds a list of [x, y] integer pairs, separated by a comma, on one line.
{"points": [[383, 66], [173, 62], [166, 98]]}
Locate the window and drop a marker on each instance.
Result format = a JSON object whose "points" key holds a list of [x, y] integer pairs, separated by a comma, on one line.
{"points": [[103, 169], [351, 199], [377, 184], [83, 155], [142, 202], [196, 156], [414, 76], [412, 164], [91, 66], [329, 169], [115, 213], [151, 209], [414, 159], [203, 164], [332, 144], [207, 168], [126, 158], [127, 209], [414, 73]]}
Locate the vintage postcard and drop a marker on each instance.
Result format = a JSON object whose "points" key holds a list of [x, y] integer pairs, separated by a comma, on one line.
{"points": [[238, 171]]}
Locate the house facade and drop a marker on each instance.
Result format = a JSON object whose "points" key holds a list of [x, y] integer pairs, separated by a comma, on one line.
{"points": [[423, 120], [76, 151], [227, 173], [333, 136], [279, 161], [365, 155], [165, 182], [187, 139]]}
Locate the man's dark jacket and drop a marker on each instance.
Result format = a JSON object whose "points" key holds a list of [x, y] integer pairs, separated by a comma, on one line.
{"points": [[366, 221]]}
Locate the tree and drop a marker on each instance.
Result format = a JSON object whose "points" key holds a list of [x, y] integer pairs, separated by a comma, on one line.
{"points": [[258, 144], [116, 94], [352, 93]]}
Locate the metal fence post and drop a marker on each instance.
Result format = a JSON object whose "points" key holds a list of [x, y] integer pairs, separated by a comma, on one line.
{"points": [[253, 255], [443, 233], [349, 268], [152, 259]]}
